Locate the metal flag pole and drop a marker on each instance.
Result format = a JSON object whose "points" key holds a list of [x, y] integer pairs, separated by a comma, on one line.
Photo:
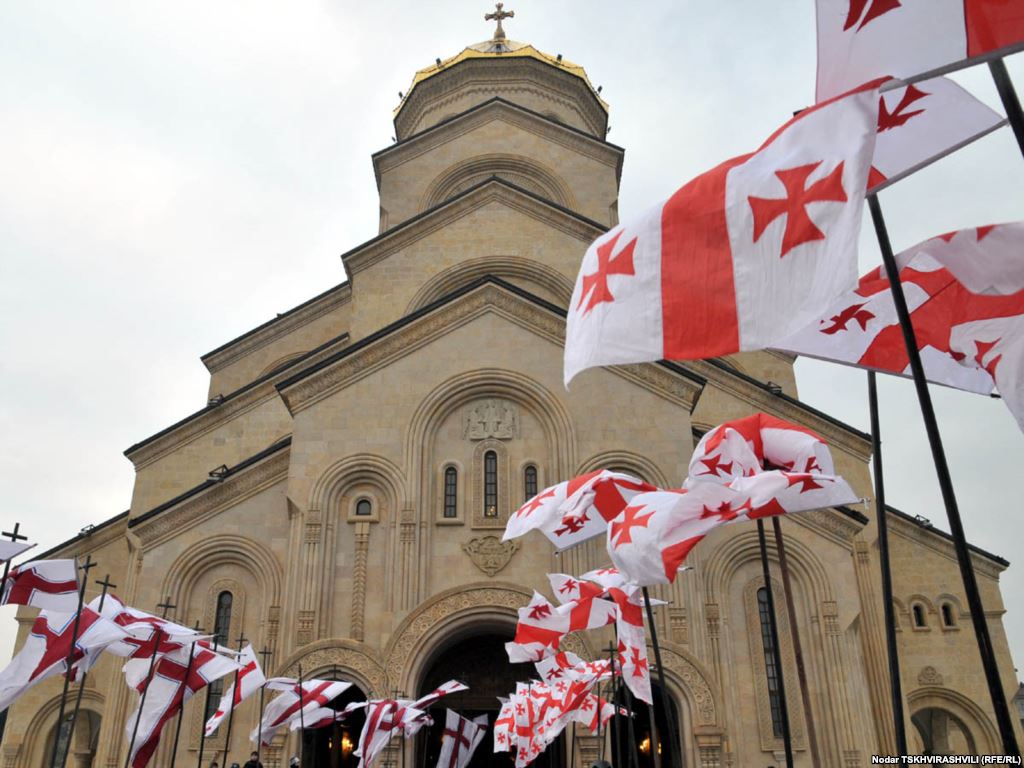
{"points": [[181, 692], [165, 606], [15, 537], [895, 684], [634, 758], [956, 527], [266, 653], [202, 720], [669, 742], [335, 745], [235, 692], [787, 741], [612, 684], [69, 662], [801, 673], [655, 742], [302, 722], [1008, 95], [106, 584]]}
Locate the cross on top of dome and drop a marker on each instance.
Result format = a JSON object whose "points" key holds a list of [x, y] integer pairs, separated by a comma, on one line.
{"points": [[499, 14]]}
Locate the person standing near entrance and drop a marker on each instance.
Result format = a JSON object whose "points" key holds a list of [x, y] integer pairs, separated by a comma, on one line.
{"points": [[253, 761]]}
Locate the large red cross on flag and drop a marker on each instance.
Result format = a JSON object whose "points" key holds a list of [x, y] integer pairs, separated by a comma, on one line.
{"points": [[249, 679], [460, 739], [49, 584], [738, 258], [859, 40]]}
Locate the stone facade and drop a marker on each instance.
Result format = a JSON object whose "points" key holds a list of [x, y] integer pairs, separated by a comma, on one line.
{"points": [[339, 420]]}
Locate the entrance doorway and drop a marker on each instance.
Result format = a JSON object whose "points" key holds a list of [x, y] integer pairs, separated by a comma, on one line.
{"points": [[332, 746], [481, 663]]}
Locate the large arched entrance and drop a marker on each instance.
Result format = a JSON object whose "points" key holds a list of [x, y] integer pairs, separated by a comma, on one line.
{"points": [[480, 662], [943, 733], [653, 746], [332, 746], [85, 740]]}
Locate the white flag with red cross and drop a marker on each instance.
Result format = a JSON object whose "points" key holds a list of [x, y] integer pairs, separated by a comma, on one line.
{"points": [[542, 625], [460, 739], [248, 681], [174, 681], [970, 331], [46, 648], [322, 717], [737, 259], [48, 584], [859, 40], [504, 725], [142, 639]]}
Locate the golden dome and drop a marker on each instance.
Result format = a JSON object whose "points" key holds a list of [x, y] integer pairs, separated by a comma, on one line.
{"points": [[498, 48]]}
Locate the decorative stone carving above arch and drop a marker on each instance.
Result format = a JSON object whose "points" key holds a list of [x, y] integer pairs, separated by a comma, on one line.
{"points": [[520, 170], [553, 284], [354, 661], [982, 729], [695, 681]]}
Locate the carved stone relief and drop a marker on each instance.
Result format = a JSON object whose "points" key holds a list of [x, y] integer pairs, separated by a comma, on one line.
{"points": [[498, 419], [929, 676], [489, 553]]}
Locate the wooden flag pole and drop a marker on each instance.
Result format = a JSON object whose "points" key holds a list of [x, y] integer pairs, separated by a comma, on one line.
{"points": [[787, 741], [1008, 95], [669, 742], [266, 653], [231, 713], [801, 672], [69, 662], [895, 684], [181, 689], [106, 584], [956, 527]]}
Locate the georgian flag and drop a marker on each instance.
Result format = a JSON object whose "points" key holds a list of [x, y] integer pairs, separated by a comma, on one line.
{"points": [[919, 124], [970, 331], [503, 726], [542, 625], [46, 650], [859, 40], [460, 739], [175, 680], [49, 584], [738, 258], [295, 703], [250, 679]]}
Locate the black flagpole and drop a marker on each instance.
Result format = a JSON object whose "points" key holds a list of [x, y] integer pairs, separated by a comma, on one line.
{"points": [[963, 555], [266, 653], [106, 584], [69, 663], [202, 720], [165, 606], [667, 739], [14, 536], [655, 742], [334, 727], [617, 733], [1008, 94], [634, 759], [895, 684], [184, 686], [231, 713], [798, 653], [302, 722], [787, 742]]}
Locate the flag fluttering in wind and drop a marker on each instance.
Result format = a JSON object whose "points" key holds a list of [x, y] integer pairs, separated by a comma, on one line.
{"points": [[49, 584], [965, 293], [295, 702], [541, 625], [740, 257], [174, 681], [759, 466], [576, 510], [325, 716], [45, 651], [249, 680], [919, 124], [859, 40], [460, 739], [11, 549], [142, 641]]}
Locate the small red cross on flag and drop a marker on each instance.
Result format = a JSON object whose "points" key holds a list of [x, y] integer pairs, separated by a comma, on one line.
{"points": [[738, 258]]}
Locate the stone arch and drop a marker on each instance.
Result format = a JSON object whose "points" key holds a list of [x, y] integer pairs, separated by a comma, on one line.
{"points": [[281, 362], [956, 610], [37, 734], [354, 661], [520, 170], [180, 579], [629, 461], [452, 615], [698, 706], [974, 718], [367, 468], [930, 612], [557, 285]]}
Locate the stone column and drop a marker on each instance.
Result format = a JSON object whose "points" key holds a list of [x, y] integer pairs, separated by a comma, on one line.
{"points": [[362, 540]]}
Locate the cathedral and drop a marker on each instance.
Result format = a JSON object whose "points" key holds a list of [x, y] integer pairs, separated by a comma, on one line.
{"points": [[339, 501]]}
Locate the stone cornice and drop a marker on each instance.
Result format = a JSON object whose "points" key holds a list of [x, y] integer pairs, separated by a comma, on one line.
{"points": [[500, 76], [304, 392], [938, 543], [234, 405], [755, 394], [204, 505], [830, 524], [107, 532], [418, 227], [280, 326], [513, 114]]}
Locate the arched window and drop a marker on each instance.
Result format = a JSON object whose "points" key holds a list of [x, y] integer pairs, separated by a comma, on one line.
{"points": [[768, 642], [490, 484], [364, 508], [918, 612], [529, 482], [451, 484], [948, 619], [222, 634]]}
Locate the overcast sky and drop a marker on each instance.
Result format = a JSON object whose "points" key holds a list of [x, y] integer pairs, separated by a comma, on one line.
{"points": [[174, 173]]}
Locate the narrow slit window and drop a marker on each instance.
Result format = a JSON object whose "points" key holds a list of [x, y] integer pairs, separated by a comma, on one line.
{"points": [[919, 620], [947, 615], [774, 697], [221, 633], [529, 482], [490, 484], [451, 485]]}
